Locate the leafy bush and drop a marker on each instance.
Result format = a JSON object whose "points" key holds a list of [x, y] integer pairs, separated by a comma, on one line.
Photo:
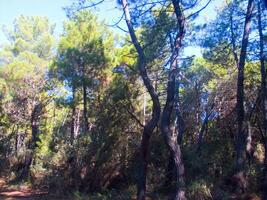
{"points": [[199, 190]]}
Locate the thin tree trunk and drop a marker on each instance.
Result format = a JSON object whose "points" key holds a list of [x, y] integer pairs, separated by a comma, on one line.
{"points": [[72, 131], [179, 122], [197, 111], [233, 41], [144, 108], [35, 124], [263, 100], [241, 136], [201, 133], [17, 137], [152, 123], [77, 125], [86, 126], [204, 127], [249, 148]]}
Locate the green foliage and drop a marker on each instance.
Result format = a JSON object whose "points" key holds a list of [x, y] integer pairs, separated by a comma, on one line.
{"points": [[84, 50], [33, 35], [156, 35], [199, 190], [42, 105]]}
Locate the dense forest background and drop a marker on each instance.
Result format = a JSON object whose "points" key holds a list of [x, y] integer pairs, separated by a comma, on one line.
{"points": [[101, 115]]}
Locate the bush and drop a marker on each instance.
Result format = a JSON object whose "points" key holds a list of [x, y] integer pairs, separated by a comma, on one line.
{"points": [[199, 190]]}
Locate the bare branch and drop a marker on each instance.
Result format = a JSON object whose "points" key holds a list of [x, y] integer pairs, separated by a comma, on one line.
{"points": [[197, 12]]}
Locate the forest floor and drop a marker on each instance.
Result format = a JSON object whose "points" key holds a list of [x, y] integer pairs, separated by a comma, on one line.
{"points": [[24, 192], [8, 192]]}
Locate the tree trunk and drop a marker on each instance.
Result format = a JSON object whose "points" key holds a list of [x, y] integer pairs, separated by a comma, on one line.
{"points": [[204, 127], [86, 126], [72, 131], [249, 147], [152, 123], [35, 124], [241, 136], [169, 135], [141, 184], [179, 131], [170, 173], [34, 127], [77, 125], [233, 40], [171, 139], [197, 112], [201, 133], [25, 166], [179, 122], [263, 100]]}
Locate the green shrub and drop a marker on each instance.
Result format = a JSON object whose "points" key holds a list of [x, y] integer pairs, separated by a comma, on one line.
{"points": [[199, 190]]}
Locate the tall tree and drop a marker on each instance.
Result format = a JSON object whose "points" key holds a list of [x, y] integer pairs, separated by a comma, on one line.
{"points": [[263, 95], [152, 123], [83, 56], [166, 128], [241, 136], [30, 49]]}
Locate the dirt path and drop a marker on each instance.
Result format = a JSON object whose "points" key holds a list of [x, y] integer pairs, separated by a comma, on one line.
{"points": [[23, 193]]}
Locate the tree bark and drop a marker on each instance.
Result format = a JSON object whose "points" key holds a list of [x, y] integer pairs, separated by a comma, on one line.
{"points": [[166, 129], [24, 168], [263, 100], [233, 41], [171, 139], [201, 133], [86, 126], [179, 131], [249, 147], [152, 123], [77, 124], [72, 131], [35, 124], [241, 136], [204, 127], [197, 112], [179, 122]]}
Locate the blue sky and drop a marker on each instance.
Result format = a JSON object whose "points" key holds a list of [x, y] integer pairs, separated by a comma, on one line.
{"points": [[10, 9]]}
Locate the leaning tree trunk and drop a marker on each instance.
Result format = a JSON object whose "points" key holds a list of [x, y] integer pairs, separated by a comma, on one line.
{"points": [[169, 135], [263, 100], [152, 123], [241, 136]]}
